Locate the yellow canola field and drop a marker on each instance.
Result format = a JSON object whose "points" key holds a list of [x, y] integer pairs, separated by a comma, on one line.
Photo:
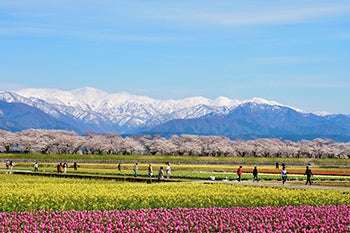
{"points": [[25, 193]]}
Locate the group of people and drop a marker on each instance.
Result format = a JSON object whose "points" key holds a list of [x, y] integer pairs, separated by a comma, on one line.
{"points": [[150, 171], [62, 167], [307, 173], [255, 174]]}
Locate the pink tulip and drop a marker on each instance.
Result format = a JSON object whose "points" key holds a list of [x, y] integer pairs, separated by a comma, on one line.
{"points": [[260, 219]]}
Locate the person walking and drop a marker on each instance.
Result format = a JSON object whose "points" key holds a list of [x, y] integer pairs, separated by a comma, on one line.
{"points": [[136, 169], [119, 167], [168, 170], [308, 174], [255, 174], [11, 166], [239, 173], [65, 166], [36, 166], [59, 168], [284, 174], [75, 165], [7, 166], [160, 174], [150, 170]]}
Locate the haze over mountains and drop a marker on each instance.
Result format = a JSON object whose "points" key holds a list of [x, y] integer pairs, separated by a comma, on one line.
{"points": [[90, 109]]}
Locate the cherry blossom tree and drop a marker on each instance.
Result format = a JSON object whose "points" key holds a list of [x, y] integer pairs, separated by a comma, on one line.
{"points": [[7, 141], [68, 142]]}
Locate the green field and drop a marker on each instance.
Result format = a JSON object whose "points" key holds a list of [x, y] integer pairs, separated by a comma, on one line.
{"points": [[175, 159], [183, 167]]}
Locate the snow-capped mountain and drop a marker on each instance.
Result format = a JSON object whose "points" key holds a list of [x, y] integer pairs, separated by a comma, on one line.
{"points": [[123, 109], [122, 112], [90, 109], [252, 120]]}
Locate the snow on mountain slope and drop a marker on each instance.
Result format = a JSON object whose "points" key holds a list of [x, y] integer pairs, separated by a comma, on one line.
{"points": [[54, 96], [90, 109], [126, 109], [11, 97], [226, 102], [261, 102]]}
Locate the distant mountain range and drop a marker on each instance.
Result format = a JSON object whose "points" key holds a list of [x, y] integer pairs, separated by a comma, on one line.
{"points": [[90, 109]]}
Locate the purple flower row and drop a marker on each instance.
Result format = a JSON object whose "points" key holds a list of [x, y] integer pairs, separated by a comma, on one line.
{"points": [[238, 219]]}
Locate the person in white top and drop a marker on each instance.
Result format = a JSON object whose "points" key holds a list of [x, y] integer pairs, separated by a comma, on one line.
{"points": [[284, 175], [36, 166], [65, 166], [168, 170], [150, 170]]}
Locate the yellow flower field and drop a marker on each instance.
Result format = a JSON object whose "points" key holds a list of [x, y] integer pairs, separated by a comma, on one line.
{"points": [[25, 193]]}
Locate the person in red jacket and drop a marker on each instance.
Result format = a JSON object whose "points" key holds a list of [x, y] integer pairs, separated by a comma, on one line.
{"points": [[239, 173]]}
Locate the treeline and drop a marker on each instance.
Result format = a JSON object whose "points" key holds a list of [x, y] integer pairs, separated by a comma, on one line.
{"points": [[67, 142]]}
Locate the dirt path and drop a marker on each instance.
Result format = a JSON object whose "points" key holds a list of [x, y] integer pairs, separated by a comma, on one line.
{"points": [[327, 185]]}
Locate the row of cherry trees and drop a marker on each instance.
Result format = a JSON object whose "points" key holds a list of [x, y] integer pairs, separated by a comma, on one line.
{"points": [[66, 142]]}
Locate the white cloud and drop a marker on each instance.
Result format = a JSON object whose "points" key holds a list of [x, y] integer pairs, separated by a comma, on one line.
{"points": [[255, 14], [95, 34], [26, 30], [343, 36], [143, 20], [293, 59]]}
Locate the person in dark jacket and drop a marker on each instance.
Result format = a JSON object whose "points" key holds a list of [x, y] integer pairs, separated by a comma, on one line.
{"points": [[255, 174], [75, 165], [308, 174]]}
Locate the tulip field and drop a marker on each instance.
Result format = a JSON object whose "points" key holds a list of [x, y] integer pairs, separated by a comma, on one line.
{"points": [[48, 204], [214, 219]]}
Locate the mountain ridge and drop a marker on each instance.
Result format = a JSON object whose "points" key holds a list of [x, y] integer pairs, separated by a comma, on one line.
{"points": [[252, 121], [91, 109]]}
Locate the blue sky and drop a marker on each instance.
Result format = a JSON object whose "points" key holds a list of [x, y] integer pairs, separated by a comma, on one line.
{"points": [[293, 52]]}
